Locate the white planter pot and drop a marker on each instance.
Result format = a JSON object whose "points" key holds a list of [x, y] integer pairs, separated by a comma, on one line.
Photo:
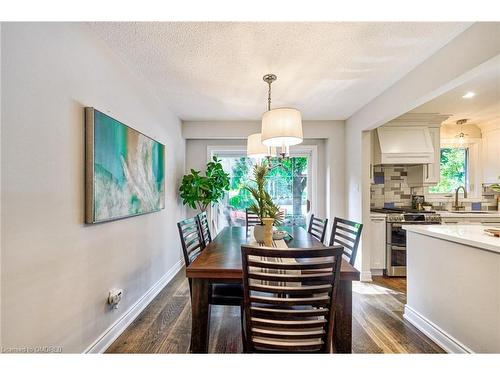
{"points": [[258, 233]]}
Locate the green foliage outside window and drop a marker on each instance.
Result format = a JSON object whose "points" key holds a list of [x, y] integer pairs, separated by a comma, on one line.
{"points": [[453, 170], [287, 182]]}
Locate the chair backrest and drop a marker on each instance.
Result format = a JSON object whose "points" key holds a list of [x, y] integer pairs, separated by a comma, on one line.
{"points": [[317, 227], [251, 219], [202, 220], [289, 298], [191, 241], [346, 233]]}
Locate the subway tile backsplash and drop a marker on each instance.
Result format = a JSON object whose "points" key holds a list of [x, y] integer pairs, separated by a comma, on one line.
{"points": [[391, 189]]}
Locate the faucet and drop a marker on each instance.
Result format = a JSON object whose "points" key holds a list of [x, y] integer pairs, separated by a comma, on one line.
{"points": [[456, 206]]}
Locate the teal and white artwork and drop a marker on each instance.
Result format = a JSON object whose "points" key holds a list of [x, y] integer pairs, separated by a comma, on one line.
{"points": [[125, 170]]}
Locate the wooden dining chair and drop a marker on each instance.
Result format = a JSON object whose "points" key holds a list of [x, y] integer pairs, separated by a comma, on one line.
{"points": [[192, 245], [346, 233], [318, 227], [191, 240], [202, 220], [251, 219], [289, 298]]}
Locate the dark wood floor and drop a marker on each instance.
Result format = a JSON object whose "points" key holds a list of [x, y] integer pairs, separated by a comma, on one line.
{"points": [[378, 325]]}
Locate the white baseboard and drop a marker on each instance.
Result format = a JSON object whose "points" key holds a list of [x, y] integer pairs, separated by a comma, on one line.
{"points": [[435, 333], [116, 329], [365, 276], [377, 272]]}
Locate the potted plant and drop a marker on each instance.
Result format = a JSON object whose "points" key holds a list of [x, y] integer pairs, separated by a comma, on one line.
{"points": [[198, 191], [263, 206]]}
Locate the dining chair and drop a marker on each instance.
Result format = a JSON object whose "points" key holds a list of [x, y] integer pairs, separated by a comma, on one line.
{"points": [[192, 245], [202, 220], [318, 227], [289, 298], [251, 219], [346, 233]]}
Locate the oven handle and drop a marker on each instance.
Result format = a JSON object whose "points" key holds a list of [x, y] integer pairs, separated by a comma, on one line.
{"points": [[401, 248]]}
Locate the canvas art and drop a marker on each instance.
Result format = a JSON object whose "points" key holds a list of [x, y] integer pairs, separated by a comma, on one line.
{"points": [[125, 170]]}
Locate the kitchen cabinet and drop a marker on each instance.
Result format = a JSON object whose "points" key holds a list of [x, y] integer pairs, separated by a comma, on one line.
{"points": [[427, 174], [494, 220], [491, 156], [377, 242]]}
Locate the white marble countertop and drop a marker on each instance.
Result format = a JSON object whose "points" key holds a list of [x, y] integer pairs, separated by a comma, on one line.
{"points": [[471, 235], [494, 214]]}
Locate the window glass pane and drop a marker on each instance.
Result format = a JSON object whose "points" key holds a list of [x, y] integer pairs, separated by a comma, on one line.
{"points": [[287, 185], [453, 170]]}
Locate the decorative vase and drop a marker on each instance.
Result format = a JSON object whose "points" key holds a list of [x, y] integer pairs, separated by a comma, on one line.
{"points": [[268, 231], [258, 233]]}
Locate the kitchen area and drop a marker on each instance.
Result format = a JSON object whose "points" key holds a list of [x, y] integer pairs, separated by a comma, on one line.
{"points": [[435, 213]]}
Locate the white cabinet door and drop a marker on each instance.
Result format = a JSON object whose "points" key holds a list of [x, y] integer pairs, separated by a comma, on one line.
{"points": [[377, 244], [432, 172], [491, 156]]}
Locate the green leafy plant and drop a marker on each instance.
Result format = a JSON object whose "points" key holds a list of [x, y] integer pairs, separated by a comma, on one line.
{"points": [[199, 191], [263, 205], [496, 187]]}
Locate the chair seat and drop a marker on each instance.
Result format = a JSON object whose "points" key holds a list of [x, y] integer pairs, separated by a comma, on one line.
{"points": [[227, 294]]}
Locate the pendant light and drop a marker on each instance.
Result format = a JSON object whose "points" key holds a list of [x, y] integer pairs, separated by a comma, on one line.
{"points": [[461, 135], [256, 149], [281, 127]]}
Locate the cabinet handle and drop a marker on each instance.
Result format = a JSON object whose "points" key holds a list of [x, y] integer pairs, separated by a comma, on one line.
{"points": [[427, 171], [371, 170]]}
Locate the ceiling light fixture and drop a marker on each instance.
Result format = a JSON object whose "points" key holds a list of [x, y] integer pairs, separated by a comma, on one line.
{"points": [[281, 127], [461, 135], [469, 95], [256, 149]]}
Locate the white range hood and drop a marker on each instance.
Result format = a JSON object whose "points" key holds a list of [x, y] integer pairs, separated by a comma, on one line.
{"points": [[405, 145]]}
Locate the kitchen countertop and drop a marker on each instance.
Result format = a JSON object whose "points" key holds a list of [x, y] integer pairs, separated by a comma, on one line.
{"points": [[470, 235]]}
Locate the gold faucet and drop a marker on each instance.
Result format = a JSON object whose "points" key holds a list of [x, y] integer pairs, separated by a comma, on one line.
{"points": [[456, 207]]}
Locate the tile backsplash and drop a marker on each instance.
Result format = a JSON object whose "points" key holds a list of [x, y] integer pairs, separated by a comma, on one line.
{"points": [[391, 189]]}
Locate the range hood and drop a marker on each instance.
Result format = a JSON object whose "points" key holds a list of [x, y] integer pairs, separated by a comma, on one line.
{"points": [[404, 145]]}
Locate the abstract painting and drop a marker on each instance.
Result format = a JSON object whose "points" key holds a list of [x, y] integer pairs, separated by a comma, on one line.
{"points": [[125, 170]]}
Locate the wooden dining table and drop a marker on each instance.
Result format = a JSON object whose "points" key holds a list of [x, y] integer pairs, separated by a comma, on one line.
{"points": [[221, 262]]}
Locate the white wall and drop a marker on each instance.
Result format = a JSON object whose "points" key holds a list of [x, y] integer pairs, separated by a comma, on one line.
{"points": [[57, 271], [328, 135]]}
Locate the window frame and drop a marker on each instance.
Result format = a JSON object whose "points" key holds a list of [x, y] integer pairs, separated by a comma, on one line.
{"points": [[309, 151], [473, 170]]}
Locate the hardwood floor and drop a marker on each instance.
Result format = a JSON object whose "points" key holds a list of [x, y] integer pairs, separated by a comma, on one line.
{"points": [[378, 325]]}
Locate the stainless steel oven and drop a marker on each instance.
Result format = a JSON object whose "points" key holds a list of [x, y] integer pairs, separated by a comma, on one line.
{"points": [[396, 239]]}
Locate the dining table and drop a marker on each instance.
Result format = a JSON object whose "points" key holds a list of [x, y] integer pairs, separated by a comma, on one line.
{"points": [[221, 261]]}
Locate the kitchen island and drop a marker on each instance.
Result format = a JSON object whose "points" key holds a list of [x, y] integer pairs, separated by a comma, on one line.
{"points": [[453, 286]]}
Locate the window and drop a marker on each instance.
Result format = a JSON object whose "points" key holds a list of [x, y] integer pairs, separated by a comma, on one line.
{"points": [[454, 170], [287, 186]]}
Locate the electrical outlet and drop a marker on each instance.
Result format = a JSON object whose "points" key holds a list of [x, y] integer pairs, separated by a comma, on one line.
{"points": [[114, 298]]}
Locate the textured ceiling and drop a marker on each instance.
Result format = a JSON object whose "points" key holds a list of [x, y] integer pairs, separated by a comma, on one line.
{"points": [[483, 109], [213, 71]]}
